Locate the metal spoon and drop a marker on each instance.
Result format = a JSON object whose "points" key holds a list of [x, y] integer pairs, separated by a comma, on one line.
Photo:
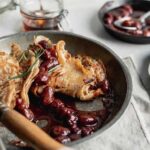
{"points": [[118, 23]]}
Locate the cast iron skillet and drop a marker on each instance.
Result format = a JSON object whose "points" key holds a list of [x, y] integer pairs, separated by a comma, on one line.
{"points": [[117, 72], [137, 4]]}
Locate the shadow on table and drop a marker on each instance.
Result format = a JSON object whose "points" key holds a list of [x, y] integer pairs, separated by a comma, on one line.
{"points": [[144, 74]]}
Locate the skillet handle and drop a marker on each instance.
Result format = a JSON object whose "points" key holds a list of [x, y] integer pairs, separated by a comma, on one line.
{"points": [[28, 131]]}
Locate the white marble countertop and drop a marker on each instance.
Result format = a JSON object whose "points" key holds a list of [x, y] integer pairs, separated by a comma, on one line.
{"points": [[84, 20]]}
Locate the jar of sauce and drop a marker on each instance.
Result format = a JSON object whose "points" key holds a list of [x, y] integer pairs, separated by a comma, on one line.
{"points": [[42, 14]]}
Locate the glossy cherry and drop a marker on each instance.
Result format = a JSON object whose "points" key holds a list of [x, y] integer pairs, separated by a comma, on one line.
{"points": [[128, 8], [59, 131], [86, 119], [132, 23], [108, 18], [86, 131], [47, 96], [42, 77], [44, 44], [63, 139]]}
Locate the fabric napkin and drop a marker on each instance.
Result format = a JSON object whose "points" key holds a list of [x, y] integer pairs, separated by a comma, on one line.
{"points": [[141, 99], [131, 132]]}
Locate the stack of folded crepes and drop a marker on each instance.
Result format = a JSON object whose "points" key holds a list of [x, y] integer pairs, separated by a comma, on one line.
{"points": [[77, 76]]}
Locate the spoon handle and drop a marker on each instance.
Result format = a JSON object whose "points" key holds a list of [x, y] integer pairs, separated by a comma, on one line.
{"points": [[143, 17], [27, 130]]}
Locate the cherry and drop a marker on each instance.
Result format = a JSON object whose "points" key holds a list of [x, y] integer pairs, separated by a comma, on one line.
{"points": [[57, 104], [72, 120], [20, 105], [28, 114], [123, 12], [86, 119], [42, 77], [53, 50], [75, 129], [108, 18], [60, 131], [128, 8], [63, 139], [105, 86], [44, 44], [146, 32], [67, 112], [46, 55], [86, 131], [47, 64], [132, 23], [47, 96], [74, 137], [117, 17]]}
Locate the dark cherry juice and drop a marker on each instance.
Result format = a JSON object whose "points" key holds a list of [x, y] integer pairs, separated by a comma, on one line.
{"points": [[64, 122]]}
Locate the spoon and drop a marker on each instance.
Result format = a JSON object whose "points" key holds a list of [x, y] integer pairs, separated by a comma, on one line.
{"points": [[27, 130], [118, 23], [149, 69]]}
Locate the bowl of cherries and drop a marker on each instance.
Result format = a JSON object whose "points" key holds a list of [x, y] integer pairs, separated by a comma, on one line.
{"points": [[128, 21]]}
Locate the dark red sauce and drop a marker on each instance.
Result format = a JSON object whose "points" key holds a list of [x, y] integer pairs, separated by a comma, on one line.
{"points": [[63, 121], [57, 113]]}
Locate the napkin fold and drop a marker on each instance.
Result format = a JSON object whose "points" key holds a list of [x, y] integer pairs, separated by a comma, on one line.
{"points": [[2, 147], [141, 99], [132, 130]]}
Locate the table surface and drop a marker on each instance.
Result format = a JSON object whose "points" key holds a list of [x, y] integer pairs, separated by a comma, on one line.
{"points": [[84, 20]]}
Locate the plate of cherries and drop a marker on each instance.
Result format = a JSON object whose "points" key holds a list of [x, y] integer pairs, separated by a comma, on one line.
{"points": [[128, 21]]}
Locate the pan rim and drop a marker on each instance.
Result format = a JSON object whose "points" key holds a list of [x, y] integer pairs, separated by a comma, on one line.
{"points": [[123, 66]]}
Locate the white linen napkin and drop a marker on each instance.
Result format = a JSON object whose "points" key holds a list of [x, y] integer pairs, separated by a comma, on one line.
{"points": [[132, 131], [141, 100]]}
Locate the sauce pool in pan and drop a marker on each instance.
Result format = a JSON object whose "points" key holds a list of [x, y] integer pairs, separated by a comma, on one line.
{"points": [[63, 121], [57, 114]]}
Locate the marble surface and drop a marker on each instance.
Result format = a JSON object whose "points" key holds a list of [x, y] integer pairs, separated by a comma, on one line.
{"points": [[126, 134]]}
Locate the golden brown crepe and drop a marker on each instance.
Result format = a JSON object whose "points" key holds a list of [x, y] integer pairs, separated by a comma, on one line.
{"points": [[75, 76], [12, 85], [9, 66]]}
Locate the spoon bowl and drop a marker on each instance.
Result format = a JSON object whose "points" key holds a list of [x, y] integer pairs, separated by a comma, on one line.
{"points": [[119, 23]]}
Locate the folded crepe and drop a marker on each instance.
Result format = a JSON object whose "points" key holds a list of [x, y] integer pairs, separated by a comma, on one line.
{"points": [[15, 81], [77, 76]]}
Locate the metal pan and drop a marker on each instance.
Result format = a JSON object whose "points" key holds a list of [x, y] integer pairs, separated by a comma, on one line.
{"points": [[140, 4], [117, 72]]}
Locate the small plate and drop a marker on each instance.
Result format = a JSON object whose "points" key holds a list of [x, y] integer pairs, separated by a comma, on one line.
{"points": [[143, 5]]}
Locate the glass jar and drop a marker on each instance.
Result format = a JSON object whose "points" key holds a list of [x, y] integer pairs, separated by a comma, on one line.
{"points": [[42, 14]]}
